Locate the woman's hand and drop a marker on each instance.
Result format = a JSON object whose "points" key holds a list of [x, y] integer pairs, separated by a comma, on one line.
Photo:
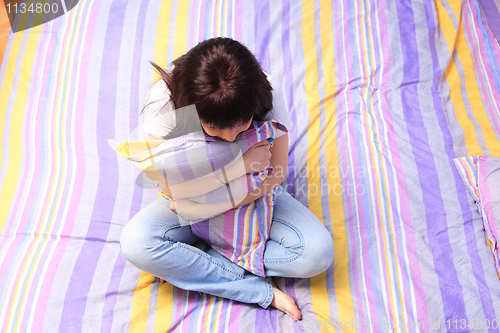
{"points": [[172, 205], [258, 157], [190, 210], [185, 208], [279, 160]]}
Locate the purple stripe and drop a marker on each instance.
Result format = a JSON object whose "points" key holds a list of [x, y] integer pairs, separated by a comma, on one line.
{"points": [[114, 283], [210, 156], [201, 18], [238, 20], [228, 235], [265, 320], [490, 11], [85, 265], [435, 214], [202, 229], [290, 289], [182, 161], [287, 59], [235, 315], [191, 24], [262, 32]]}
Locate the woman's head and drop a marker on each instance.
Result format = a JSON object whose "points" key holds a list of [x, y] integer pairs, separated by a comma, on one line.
{"points": [[225, 82]]}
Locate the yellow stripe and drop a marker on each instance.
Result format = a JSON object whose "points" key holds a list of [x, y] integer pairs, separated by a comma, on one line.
{"points": [[246, 227], [162, 28], [217, 31], [208, 307], [445, 22], [256, 233], [16, 120], [181, 20], [453, 78], [471, 179], [166, 290], [164, 308], [456, 39], [130, 148], [225, 24], [471, 142], [140, 303], [216, 317], [16, 123], [341, 281], [319, 292]]}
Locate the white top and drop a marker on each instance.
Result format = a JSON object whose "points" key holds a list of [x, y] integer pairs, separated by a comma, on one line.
{"points": [[160, 123]]}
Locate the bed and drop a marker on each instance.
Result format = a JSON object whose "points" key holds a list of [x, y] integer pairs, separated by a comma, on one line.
{"points": [[384, 97]]}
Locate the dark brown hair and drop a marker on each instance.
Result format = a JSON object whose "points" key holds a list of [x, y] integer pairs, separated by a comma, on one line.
{"points": [[225, 82]]}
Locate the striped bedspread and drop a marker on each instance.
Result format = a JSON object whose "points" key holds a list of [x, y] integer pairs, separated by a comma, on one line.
{"points": [[383, 94]]}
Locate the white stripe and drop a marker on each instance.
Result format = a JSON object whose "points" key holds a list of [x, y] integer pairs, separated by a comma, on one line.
{"points": [[197, 19], [64, 6], [233, 18]]}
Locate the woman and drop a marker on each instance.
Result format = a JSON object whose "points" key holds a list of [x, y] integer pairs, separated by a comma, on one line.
{"points": [[222, 78]]}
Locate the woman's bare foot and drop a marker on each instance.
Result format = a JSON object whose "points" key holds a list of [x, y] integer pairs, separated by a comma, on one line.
{"points": [[281, 301], [285, 303]]}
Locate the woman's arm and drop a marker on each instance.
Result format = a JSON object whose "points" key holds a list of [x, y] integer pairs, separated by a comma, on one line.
{"points": [[279, 159], [204, 185]]}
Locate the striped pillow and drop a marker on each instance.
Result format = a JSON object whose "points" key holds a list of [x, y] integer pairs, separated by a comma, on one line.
{"points": [[238, 234], [481, 175]]}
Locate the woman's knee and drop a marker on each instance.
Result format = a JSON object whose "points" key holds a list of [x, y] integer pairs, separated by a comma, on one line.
{"points": [[318, 254], [133, 242]]}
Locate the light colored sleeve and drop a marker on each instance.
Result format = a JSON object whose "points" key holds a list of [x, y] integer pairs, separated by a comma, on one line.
{"points": [[279, 111], [159, 118]]}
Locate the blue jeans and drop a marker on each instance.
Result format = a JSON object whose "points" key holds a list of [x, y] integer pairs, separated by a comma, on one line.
{"points": [[299, 246]]}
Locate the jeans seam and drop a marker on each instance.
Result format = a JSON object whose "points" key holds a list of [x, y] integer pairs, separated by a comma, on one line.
{"points": [[163, 238], [209, 258], [302, 245], [269, 295]]}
